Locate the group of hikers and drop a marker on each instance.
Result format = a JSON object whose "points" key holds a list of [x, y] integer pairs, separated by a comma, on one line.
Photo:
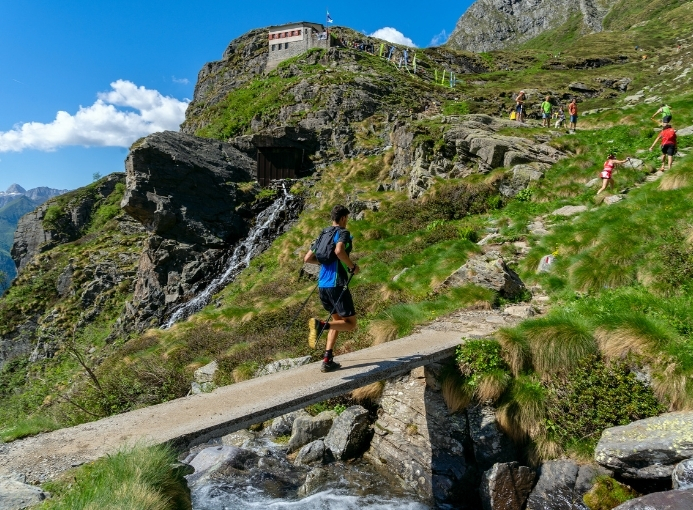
{"points": [[547, 112], [332, 249]]}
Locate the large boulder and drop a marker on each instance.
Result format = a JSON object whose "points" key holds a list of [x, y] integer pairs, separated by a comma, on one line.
{"points": [[185, 187], [520, 177], [506, 486], [16, 495], [562, 485], [491, 446], [348, 433], [649, 448], [670, 500], [218, 458], [283, 425], [489, 271], [309, 428]]}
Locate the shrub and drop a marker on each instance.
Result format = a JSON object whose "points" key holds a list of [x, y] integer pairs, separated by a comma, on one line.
{"points": [[480, 362], [468, 234], [595, 396]]}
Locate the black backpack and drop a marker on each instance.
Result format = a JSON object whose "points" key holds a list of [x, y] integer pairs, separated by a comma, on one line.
{"points": [[324, 245]]}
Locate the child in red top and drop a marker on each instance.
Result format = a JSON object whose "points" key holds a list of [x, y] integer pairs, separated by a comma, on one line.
{"points": [[668, 137], [608, 169]]}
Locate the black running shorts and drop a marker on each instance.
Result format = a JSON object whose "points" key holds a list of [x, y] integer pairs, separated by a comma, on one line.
{"points": [[669, 149], [329, 297], [666, 120]]}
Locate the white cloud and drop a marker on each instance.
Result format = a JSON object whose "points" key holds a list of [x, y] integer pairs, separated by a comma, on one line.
{"points": [[101, 124], [440, 38], [184, 81], [394, 36]]}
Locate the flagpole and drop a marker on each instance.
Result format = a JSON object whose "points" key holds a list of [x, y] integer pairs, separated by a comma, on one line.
{"points": [[327, 26]]}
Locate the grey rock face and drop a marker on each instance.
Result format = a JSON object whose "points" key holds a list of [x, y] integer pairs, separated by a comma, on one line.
{"points": [[419, 441], [682, 477], [556, 488], [309, 428], [496, 24], [670, 500], [471, 146], [217, 458], [16, 495], [348, 433], [185, 187], [488, 271], [649, 448], [311, 453], [520, 178], [506, 486], [491, 446]]}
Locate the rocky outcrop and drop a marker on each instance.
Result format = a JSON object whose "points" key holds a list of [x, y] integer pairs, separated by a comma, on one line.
{"points": [[417, 439], [185, 188], [489, 271], [35, 233], [185, 191], [470, 145], [506, 486], [671, 500], [312, 453], [496, 24], [647, 449], [491, 446]]}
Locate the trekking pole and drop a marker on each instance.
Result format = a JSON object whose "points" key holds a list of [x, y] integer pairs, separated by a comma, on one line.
{"points": [[301, 309], [333, 309]]}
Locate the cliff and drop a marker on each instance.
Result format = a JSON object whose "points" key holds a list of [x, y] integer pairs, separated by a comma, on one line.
{"points": [[498, 24]]}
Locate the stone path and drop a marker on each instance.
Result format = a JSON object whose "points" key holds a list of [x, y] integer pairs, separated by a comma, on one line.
{"points": [[198, 418]]}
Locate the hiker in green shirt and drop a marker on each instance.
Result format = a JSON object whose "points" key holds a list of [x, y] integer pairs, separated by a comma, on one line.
{"points": [[665, 110], [546, 112]]}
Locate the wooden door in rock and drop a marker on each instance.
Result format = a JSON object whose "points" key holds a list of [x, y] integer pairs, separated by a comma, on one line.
{"points": [[278, 163]]}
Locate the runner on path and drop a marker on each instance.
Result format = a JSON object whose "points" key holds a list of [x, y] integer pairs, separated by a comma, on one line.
{"points": [[665, 110], [332, 284], [608, 169], [668, 137]]}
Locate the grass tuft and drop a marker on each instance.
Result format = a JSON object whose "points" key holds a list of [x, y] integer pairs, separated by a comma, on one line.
{"points": [[370, 393]]}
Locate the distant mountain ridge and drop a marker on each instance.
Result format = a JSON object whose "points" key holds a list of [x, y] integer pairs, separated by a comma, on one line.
{"points": [[499, 24], [15, 202]]}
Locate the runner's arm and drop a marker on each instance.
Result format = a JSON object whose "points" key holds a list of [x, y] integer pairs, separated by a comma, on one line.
{"points": [[340, 251], [310, 258], [656, 140]]}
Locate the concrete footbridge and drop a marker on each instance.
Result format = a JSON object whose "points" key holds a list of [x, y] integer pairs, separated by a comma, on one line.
{"points": [[196, 419]]}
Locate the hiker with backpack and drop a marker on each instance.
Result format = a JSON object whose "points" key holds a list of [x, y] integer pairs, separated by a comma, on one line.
{"points": [[668, 137], [608, 169], [665, 110], [331, 250]]}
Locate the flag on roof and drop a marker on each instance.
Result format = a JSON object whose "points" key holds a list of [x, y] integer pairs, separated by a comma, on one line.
{"points": [[329, 18]]}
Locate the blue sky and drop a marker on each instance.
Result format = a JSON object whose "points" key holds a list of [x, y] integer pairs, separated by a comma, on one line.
{"points": [[122, 69]]}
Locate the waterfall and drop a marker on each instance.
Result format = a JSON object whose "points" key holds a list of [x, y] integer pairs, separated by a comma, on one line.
{"points": [[241, 257]]}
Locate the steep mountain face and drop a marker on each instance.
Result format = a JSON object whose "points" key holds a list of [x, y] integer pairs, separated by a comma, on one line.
{"points": [[497, 24]]}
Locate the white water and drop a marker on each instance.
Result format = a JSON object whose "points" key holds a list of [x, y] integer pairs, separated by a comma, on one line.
{"points": [[216, 498], [240, 259]]}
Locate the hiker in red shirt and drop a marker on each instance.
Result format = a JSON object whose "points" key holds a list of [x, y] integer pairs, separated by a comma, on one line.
{"points": [[668, 137], [608, 169]]}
